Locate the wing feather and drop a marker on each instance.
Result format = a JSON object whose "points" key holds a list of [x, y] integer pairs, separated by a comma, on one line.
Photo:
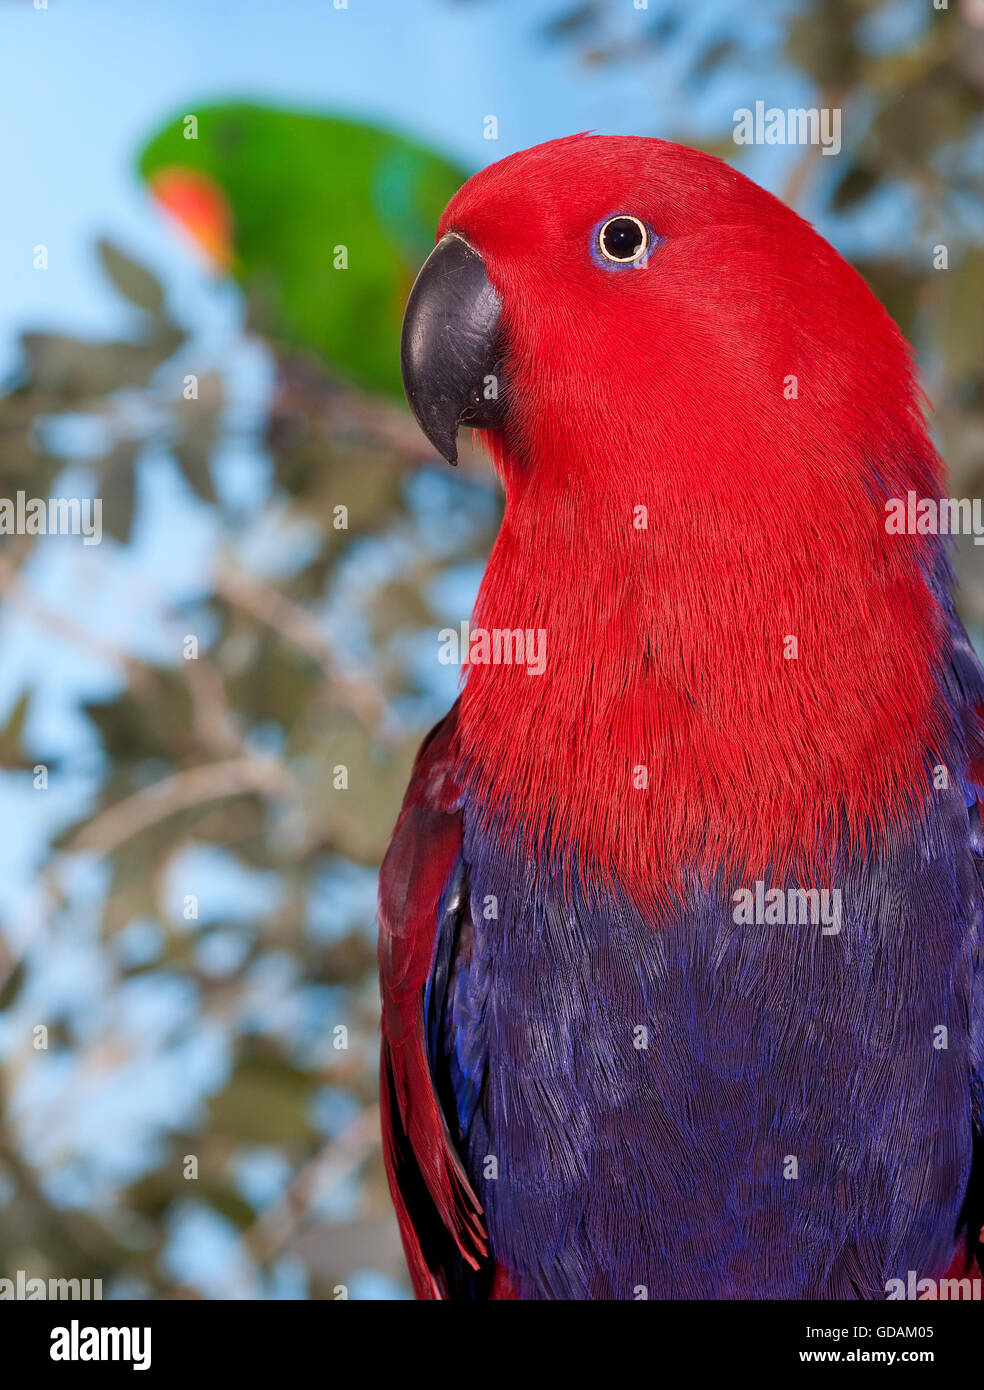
{"points": [[439, 1214]]}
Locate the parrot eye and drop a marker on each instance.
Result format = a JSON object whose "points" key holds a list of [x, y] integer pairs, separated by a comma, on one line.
{"points": [[623, 240]]}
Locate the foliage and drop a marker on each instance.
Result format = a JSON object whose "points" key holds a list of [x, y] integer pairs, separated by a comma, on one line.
{"points": [[239, 749]]}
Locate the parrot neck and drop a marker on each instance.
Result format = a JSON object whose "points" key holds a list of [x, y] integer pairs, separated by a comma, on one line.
{"points": [[717, 683]]}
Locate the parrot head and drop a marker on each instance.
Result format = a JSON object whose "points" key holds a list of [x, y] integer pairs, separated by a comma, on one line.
{"points": [[200, 169], [196, 204], [698, 410], [629, 291], [322, 220]]}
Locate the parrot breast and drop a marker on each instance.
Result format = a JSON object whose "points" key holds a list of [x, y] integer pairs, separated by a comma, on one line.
{"points": [[719, 1110]]}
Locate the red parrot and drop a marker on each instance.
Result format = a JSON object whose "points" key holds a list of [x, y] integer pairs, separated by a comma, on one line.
{"points": [[680, 922]]}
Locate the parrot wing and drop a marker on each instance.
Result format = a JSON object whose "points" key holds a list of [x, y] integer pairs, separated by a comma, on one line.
{"points": [[423, 915], [964, 691]]}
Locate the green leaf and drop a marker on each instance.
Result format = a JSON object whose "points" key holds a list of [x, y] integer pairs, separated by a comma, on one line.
{"points": [[266, 1102], [135, 283], [11, 754], [855, 186], [117, 483], [12, 985]]}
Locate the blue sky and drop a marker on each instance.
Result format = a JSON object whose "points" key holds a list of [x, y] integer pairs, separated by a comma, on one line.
{"points": [[84, 82]]}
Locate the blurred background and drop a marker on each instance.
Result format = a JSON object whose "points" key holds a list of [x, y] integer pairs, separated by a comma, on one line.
{"points": [[212, 215]]}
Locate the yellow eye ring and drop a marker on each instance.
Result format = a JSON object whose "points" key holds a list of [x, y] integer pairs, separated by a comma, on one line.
{"points": [[623, 239]]}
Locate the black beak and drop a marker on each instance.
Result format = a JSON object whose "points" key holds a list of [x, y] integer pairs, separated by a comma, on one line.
{"points": [[450, 353]]}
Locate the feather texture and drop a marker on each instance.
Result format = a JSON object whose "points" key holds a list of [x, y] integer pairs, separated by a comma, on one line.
{"points": [[590, 1057]]}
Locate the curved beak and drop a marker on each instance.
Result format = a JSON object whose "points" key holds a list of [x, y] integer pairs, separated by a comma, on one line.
{"points": [[451, 353]]}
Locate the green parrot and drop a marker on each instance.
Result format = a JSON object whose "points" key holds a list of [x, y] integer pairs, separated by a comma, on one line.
{"points": [[324, 222]]}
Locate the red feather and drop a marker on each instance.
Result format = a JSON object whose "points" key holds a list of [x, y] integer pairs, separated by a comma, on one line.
{"points": [[666, 388], [434, 1201]]}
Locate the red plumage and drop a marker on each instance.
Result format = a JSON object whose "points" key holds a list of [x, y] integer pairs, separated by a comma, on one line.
{"points": [[663, 646], [417, 1147], [696, 457]]}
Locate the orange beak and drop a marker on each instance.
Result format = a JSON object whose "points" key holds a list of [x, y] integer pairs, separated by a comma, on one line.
{"points": [[198, 206]]}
